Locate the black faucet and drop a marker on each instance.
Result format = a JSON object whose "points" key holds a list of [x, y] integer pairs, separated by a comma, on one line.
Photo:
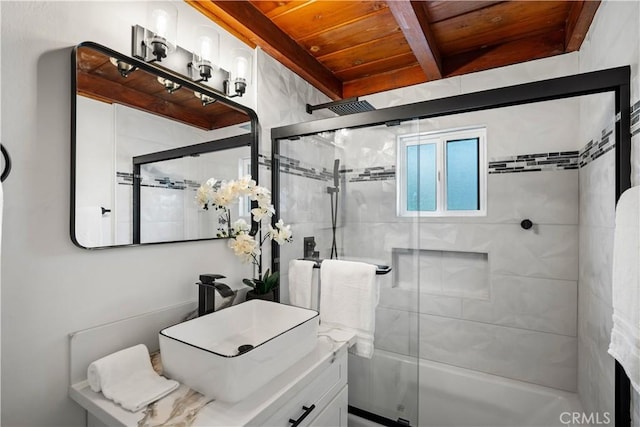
{"points": [[206, 292]]}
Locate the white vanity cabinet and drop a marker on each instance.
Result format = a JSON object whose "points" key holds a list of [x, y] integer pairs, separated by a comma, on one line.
{"points": [[323, 402], [313, 392]]}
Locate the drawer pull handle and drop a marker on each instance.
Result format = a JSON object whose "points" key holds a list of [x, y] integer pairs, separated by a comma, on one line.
{"points": [[307, 411]]}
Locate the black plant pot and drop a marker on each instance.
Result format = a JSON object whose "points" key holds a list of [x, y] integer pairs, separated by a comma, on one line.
{"points": [[269, 296]]}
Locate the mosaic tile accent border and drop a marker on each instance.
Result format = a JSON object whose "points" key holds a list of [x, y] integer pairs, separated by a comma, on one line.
{"points": [[292, 166], [126, 178], [264, 161], [562, 160], [374, 173], [635, 119], [597, 148]]}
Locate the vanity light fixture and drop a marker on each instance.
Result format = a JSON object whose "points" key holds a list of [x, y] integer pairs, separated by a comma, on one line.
{"points": [[162, 18], [169, 85], [157, 44], [207, 53], [240, 73], [124, 68], [206, 99]]}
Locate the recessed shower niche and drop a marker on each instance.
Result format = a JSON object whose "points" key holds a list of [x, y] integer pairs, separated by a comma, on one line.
{"points": [[442, 273]]}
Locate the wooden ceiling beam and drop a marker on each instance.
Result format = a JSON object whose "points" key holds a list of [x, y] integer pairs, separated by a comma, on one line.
{"points": [[580, 16], [526, 49], [414, 24], [240, 15]]}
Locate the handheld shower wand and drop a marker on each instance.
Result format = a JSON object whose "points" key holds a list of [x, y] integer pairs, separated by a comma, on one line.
{"points": [[334, 206]]}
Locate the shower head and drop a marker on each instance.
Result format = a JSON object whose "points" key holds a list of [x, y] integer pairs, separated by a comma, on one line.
{"points": [[343, 107], [352, 108]]}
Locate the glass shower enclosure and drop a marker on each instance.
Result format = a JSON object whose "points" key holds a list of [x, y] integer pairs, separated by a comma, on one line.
{"points": [[474, 203]]}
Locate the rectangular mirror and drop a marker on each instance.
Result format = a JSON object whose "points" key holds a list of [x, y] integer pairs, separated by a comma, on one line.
{"points": [[143, 140]]}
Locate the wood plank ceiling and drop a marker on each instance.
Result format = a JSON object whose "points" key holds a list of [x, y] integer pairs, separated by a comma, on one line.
{"points": [[355, 48]]}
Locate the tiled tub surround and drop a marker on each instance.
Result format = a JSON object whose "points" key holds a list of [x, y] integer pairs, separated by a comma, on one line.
{"points": [[529, 318], [521, 322]]}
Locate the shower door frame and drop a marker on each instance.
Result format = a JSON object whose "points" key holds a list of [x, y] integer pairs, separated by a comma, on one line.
{"points": [[616, 80]]}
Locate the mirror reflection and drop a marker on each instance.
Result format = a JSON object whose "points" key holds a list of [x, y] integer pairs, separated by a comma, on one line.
{"points": [[143, 144]]}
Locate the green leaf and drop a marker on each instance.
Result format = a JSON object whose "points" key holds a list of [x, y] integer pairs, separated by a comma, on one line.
{"points": [[249, 282]]}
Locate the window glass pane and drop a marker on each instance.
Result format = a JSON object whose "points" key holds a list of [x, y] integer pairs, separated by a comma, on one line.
{"points": [[421, 177], [462, 175]]}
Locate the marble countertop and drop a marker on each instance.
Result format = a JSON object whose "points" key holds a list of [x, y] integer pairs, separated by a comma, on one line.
{"points": [[187, 407]]}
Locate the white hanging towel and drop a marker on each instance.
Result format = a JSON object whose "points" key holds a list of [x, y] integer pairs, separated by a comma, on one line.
{"points": [[348, 300], [301, 283], [625, 335], [127, 378]]}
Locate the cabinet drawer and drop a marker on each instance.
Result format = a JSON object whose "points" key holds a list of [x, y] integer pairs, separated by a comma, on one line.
{"points": [[336, 412], [320, 392]]}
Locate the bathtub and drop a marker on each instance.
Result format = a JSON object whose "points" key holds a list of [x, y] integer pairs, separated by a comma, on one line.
{"points": [[449, 396]]}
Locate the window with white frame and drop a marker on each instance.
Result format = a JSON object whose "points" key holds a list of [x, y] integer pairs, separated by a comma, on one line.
{"points": [[442, 173]]}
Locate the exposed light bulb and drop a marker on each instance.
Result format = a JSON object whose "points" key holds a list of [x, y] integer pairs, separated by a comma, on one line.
{"points": [[161, 21], [206, 48], [242, 68]]}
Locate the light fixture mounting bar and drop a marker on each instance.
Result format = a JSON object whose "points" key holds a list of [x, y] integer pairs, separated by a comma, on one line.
{"points": [[179, 61]]}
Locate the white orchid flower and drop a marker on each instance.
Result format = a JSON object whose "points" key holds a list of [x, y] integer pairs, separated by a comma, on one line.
{"points": [[262, 212], [281, 234], [204, 194], [240, 226], [245, 247], [220, 194], [245, 185], [261, 195]]}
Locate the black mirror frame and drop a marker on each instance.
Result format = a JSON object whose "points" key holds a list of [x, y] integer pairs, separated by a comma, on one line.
{"points": [[185, 82]]}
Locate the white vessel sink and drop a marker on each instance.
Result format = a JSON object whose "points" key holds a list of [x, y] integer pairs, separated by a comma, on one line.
{"points": [[208, 353]]}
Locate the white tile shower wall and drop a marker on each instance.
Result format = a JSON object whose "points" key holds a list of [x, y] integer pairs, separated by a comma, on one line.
{"points": [[613, 40], [523, 323], [304, 201], [537, 357]]}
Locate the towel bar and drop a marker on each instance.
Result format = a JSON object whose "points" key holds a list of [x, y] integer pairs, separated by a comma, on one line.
{"points": [[380, 269]]}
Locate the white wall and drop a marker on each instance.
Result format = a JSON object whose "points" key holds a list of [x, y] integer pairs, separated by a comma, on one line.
{"points": [[50, 287], [1, 214], [613, 40]]}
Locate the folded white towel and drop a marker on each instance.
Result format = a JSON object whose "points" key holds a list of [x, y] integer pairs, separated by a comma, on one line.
{"points": [[625, 335], [348, 299], [301, 283], [127, 378]]}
